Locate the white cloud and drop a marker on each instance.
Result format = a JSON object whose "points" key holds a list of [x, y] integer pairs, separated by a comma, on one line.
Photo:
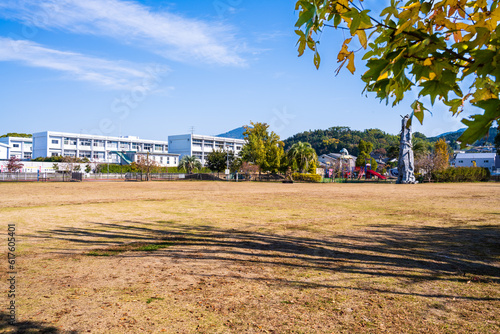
{"points": [[112, 74], [167, 34]]}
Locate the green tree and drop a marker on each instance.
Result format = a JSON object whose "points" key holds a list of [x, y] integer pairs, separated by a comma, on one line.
{"points": [[439, 48], [15, 134], [262, 148], [365, 148], [189, 163], [302, 154], [219, 160]]}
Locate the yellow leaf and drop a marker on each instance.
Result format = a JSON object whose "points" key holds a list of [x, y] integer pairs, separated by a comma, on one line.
{"points": [[480, 3], [343, 52], [362, 38], [383, 76], [350, 65], [342, 6], [428, 62], [432, 75], [404, 26]]}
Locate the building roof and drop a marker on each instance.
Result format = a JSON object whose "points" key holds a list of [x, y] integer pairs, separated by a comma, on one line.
{"points": [[476, 155], [336, 156], [8, 139], [127, 139]]}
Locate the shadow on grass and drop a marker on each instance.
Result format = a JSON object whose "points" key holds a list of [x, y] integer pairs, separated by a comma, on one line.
{"points": [[25, 327], [415, 253]]}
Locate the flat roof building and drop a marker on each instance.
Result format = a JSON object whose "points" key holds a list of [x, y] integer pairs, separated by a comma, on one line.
{"points": [[105, 149], [19, 147], [200, 146], [486, 160]]}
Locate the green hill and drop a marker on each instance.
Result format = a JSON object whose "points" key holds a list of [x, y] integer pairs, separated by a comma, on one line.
{"points": [[336, 138]]}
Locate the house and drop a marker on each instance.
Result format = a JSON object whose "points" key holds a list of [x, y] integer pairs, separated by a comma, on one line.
{"points": [[486, 160], [200, 146], [19, 147], [333, 159]]}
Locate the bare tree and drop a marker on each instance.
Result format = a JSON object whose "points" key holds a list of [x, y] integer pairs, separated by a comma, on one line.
{"points": [[146, 165]]}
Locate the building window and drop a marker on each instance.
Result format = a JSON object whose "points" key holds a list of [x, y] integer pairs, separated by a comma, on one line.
{"points": [[98, 155], [486, 161], [55, 141], [168, 160], [158, 147], [69, 141], [68, 153], [134, 146], [27, 155], [124, 146], [460, 161], [99, 143], [15, 145], [85, 142], [112, 144], [85, 154], [55, 154], [148, 147]]}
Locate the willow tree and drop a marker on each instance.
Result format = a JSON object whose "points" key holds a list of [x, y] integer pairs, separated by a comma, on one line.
{"points": [[445, 50]]}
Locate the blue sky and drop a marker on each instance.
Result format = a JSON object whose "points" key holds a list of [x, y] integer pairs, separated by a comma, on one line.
{"points": [[157, 68]]}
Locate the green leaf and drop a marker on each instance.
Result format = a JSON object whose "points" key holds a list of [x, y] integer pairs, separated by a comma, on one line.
{"points": [[418, 111], [479, 125], [306, 15], [317, 60], [454, 105], [356, 21], [376, 66], [434, 88]]}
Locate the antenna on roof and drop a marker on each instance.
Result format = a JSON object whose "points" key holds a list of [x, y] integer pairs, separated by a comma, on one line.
{"points": [[192, 130]]}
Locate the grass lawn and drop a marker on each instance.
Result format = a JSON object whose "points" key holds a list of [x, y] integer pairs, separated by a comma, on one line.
{"points": [[217, 257]]}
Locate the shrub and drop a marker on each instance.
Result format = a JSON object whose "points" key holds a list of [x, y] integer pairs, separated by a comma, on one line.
{"points": [[462, 174], [306, 177]]}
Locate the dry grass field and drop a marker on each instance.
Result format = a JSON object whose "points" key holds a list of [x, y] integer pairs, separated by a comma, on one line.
{"points": [[213, 257]]}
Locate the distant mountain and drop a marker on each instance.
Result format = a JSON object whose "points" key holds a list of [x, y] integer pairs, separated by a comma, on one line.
{"points": [[235, 133], [453, 136]]}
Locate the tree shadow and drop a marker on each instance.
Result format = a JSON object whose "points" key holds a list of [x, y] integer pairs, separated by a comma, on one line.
{"points": [[23, 327], [408, 252]]}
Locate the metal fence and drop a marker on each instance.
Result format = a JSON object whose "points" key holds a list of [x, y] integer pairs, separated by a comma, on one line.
{"points": [[40, 177]]}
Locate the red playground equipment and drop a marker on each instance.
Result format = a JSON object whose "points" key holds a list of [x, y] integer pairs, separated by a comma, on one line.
{"points": [[369, 172]]}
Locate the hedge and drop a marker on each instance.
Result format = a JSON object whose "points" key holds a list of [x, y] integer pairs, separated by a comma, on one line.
{"points": [[306, 177], [462, 174]]}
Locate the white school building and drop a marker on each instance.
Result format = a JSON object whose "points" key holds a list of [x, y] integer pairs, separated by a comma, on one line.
{"points": [[103, 149], [200, 146], [18, 147]]}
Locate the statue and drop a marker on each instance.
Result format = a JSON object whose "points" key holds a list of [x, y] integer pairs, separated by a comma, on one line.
{"points": [[406, 165]]}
